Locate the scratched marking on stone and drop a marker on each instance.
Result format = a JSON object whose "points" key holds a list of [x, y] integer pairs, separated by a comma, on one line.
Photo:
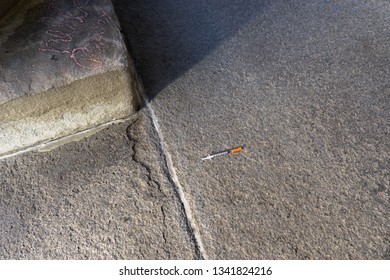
{"points": [[76, 33]]}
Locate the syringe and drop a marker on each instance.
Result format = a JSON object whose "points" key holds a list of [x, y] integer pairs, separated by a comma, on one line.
{"points": [[233, 150]]}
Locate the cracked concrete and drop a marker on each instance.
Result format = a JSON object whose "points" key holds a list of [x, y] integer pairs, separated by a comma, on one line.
{"points": [[132, 131], [302, 83], [104, 197]]}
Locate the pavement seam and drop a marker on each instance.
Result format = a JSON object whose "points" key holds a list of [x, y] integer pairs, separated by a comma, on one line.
{"points": [[172, 176], [179, 189], [65, 139], [131, 133]]}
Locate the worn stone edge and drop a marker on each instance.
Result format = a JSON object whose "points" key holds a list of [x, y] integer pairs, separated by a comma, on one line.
{"points": [[127, 108]]}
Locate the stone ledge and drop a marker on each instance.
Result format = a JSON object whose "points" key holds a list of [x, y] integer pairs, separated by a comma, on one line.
{"points": [[64, 68]]}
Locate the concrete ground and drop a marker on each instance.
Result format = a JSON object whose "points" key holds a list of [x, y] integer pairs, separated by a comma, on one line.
{"points": [[303, 84], [105, 197]]}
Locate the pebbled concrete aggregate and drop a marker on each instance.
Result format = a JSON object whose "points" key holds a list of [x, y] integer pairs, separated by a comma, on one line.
{"points": [[304, 85], [104, 197]]}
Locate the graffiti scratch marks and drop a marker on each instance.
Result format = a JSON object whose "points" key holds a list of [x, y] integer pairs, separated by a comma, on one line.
{"points": [[76, 29]]}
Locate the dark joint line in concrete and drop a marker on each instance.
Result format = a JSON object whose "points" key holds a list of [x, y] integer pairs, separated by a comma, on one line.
{"points": [[172, 176]]}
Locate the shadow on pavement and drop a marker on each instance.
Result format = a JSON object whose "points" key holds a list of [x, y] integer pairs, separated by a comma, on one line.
{"points": [[167, 37]]}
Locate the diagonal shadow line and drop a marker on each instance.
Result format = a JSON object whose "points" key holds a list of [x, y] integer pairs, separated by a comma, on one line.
{"points": [[167, 37]]}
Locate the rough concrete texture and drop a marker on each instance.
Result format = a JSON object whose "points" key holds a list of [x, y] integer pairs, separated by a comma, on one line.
{"points": [[304, 84], [63, 68], [105, 197]]}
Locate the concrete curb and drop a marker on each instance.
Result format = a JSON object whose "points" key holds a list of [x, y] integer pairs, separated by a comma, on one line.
{"points": [[74, 72]]}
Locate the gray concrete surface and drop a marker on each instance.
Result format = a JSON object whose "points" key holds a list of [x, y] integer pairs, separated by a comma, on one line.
{"points": [[64, 68], [104, 197], [304, 84]]}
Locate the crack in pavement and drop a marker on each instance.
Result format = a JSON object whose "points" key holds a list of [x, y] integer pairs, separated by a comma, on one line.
{"points": [[132, 132], [164, 232], [191, 223], [136, 158], [191, 227]]}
